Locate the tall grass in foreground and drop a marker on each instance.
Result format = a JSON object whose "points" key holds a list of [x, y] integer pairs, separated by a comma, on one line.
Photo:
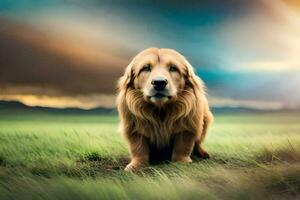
{"points": [[46, 156]]}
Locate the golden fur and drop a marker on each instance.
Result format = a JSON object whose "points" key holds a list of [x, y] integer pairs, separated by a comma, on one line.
{"points": [[185, 116]]}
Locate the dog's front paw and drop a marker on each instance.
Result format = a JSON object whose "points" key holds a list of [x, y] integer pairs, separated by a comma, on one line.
{"points": [[183, 159], [132, 167], [135, 165]]}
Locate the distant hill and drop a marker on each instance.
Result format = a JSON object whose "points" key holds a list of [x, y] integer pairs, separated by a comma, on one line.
{"points": [[228, 109], [234, 110], [14, 106]]}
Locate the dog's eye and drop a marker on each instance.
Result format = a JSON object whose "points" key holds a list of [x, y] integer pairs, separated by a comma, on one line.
{"points": [[173, 68], [146, 68]]}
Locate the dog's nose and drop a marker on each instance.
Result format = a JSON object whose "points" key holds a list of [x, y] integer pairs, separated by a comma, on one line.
{"points": [[159, 83]]}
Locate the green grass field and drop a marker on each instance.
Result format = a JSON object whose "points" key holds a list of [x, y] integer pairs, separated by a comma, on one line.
{"points": [[47, 156]]}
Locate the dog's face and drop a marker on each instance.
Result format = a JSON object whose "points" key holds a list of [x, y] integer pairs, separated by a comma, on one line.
{"points": [[160, 74]]}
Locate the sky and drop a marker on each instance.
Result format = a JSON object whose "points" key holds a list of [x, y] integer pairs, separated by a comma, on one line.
{"points": [[70, 53]]}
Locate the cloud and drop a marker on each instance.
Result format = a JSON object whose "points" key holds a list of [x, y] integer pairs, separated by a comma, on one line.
{"points": [[273, 66], [31, 58], [267, 38]]}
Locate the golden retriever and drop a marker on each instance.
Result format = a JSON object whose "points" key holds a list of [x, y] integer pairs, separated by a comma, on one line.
{"points": [[164, 113]]}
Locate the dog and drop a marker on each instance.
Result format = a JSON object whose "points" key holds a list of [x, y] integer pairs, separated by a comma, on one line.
{"points": [[164, 113]]}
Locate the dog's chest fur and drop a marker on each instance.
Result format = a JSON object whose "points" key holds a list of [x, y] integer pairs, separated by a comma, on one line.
{"points": [[160, 126]]}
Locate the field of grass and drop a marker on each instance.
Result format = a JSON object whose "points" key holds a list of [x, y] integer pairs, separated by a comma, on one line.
{"points": [[62, 156]]}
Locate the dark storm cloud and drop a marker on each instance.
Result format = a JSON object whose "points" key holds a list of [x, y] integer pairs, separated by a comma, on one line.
{"points": [[24, 63]]}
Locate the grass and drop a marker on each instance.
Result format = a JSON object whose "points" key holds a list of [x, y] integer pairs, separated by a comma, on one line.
{"points": [[46, 156]]}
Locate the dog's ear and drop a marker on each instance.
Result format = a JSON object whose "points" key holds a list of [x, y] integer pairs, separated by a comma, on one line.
{"points": [[193, 80], [127, 78]]}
